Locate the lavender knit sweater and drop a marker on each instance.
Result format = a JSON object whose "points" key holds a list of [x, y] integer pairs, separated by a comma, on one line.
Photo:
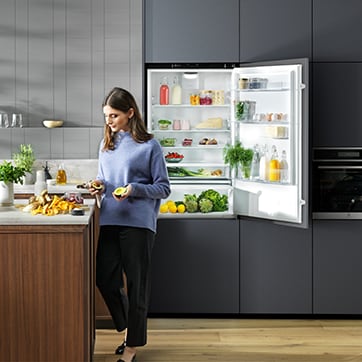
{"points": [[143, 166]]}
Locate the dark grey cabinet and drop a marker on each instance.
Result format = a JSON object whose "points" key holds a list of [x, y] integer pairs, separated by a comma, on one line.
{"points": [[275, 29], [191, 31], [195, 267], [275, 268], [227, 31], [337, 106], [337, 266], [337, 30]]}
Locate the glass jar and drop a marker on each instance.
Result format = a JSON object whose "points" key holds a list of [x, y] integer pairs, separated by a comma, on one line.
{"points": [[194, 99], [206, 97]]}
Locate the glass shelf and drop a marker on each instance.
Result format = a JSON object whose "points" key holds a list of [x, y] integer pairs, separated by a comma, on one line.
{"points": [[191, 106]]}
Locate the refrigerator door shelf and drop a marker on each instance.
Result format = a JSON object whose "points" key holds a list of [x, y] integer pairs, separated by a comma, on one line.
{"points": [[268, 201]]}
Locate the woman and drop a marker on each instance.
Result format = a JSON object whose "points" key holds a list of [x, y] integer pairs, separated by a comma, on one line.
{"points": [[129, 156]]}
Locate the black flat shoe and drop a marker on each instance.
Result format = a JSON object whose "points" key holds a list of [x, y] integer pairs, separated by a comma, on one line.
{"points": [[133, 359], [120, 348]]}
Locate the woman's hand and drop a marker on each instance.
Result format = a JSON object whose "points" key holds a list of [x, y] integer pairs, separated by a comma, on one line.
{"points": [[96, 187], [124, 194]]}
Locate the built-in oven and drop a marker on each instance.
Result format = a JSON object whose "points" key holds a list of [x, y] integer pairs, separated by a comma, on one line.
{"points": [[337, 183]]}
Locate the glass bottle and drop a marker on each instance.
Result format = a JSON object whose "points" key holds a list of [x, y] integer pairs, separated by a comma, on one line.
{"points": [[40, 184], [164, 91], [274, 166], [176, 96], [47, 174], [61, 178], [255, 163], [284, 169], [264, 164]]}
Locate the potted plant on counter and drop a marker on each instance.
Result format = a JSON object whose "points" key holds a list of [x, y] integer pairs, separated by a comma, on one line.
{"points": [[25, 159], [9, 174]]}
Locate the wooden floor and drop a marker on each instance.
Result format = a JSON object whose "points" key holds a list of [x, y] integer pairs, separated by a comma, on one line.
{"points": [[231, 340]]}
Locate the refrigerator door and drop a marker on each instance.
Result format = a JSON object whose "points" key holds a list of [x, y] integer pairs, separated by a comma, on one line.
{"points": [[269, 115]]}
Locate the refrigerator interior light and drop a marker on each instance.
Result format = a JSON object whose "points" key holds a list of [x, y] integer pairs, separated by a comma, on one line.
{"points": [[191, 75]]}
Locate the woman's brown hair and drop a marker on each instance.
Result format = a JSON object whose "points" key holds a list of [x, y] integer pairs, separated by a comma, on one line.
{"points": [[122, 100]]}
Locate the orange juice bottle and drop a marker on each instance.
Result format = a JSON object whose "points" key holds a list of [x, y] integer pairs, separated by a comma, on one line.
{"points": [[274, 166], [61, 178]]}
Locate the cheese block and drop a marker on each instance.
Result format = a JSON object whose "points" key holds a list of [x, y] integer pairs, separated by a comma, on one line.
{"points": [[277, 132], [211, 123]]}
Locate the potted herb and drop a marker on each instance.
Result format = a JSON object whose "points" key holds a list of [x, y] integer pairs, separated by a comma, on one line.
{"points": [[9, 174], [236, 156], [25, 159], [245, 161]]}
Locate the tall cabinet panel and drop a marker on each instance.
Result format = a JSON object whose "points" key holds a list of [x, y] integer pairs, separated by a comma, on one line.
{"points": [[278, 29], [337, 266], [337, 29], [337, 109], [195, 267], [191, 31], [275, 268]]}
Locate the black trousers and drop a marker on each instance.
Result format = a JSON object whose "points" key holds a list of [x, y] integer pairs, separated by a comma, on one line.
{"points": [[125, 249]]}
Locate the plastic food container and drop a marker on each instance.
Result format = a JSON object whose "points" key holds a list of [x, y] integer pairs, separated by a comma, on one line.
{"points": [[258, 83]]}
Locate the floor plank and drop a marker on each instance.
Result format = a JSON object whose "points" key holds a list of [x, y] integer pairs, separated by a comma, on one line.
{"points": [[241, 340]]}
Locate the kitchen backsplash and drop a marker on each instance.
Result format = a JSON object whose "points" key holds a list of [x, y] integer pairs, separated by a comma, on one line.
{"points": [[77, 170], [56, 143]]}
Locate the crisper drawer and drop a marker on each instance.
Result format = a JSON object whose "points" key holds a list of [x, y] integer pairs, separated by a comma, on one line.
{"points": [[198, 200]]}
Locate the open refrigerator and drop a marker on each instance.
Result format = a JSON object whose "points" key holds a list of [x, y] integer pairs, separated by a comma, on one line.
{"points": [[206, 108]]}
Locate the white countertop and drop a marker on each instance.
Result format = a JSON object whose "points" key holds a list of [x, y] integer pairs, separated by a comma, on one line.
{"points": [[12, 215]]}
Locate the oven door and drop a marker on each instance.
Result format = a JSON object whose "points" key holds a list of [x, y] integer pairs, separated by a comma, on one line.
{"points": [[338, 191]]}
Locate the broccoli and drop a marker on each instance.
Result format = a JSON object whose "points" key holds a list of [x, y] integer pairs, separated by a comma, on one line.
{"points": [[220, 202], [190, 202], [205, 205]]}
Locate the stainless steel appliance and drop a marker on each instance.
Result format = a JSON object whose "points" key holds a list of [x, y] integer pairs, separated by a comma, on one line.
{"points": [[337, 183]]}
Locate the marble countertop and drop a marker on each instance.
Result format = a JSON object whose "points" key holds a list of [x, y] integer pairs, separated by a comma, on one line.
{"points": [[13, 215]]}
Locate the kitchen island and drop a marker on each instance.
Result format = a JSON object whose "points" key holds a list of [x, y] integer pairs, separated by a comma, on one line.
{"points": [[47, 286]]}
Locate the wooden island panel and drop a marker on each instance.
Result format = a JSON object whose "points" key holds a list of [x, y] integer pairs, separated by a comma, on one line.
{"points": [[47, 292]]}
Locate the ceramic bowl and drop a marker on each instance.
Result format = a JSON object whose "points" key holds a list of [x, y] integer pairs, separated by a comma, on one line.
{"points": [[52, 123]]}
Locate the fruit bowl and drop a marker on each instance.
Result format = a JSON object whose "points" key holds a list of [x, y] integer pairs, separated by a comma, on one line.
{"points": [[174, 157]]}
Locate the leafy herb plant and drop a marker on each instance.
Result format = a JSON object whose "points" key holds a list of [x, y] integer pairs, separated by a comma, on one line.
{"points": [[25, 158], [11, 173], [237, 156]]}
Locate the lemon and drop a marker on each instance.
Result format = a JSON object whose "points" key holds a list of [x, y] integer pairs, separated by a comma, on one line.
{"points": [[181, 208], [172, 208], [163, 208], [170, 203]]}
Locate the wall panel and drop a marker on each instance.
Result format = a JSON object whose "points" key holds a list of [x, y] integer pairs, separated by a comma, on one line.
{"points": [[61, 58]]}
